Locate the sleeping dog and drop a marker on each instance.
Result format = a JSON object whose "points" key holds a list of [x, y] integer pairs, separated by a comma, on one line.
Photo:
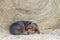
{"points": [[24, 27]]}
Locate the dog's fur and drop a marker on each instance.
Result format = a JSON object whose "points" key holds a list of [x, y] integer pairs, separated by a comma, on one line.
{"points": [[23, 27]]}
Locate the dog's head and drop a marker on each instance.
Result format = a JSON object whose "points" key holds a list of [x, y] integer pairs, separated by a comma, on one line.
{"points": [[31, 28]]}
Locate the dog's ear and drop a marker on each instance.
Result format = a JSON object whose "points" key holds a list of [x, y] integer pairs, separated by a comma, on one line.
{"points": [[34, 25]]}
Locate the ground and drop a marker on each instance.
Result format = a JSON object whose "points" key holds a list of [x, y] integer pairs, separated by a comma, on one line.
{"points": [[53, 35]]}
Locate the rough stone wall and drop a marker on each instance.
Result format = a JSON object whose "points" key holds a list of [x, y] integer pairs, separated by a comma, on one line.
{"points": [[46, 13]]}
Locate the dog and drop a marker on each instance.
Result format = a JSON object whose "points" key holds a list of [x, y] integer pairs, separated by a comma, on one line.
{"points": [[24, 27], [32, 28]]}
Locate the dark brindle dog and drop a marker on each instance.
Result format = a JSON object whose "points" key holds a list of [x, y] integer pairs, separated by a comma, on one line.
{"points": [[23, 27]]}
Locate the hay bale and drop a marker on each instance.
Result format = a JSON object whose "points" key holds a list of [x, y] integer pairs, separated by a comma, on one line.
{"points": [[46, 13]]}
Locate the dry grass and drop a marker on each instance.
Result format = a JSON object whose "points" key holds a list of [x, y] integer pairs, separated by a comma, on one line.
{"points": [[46, 13]]}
